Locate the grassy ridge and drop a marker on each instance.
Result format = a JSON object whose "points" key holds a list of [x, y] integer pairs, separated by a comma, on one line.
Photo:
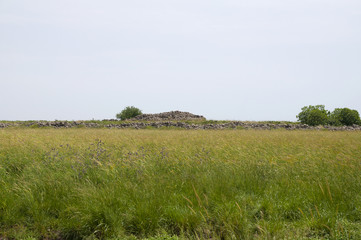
{"points": [[119, 184]]}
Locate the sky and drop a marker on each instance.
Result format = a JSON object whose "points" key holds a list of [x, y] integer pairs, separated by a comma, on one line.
{"points": [[223, 59]]}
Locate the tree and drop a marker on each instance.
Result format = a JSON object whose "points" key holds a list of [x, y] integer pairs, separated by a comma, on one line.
{"points": [[313, 115], [129, 112], [349, 117], [335, 117], [317, 117]]}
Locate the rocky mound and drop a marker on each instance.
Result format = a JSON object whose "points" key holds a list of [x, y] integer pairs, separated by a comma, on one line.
{"points": [[168, 116]]}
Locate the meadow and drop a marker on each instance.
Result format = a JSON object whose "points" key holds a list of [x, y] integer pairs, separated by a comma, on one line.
{"points": [[179, 184]]}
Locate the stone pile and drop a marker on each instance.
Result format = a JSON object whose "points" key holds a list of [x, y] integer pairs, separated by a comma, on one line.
{"points": [[168, 116]]}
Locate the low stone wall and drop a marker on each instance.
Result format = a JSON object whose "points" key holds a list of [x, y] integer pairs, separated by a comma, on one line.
{"points": [[183, 125]]}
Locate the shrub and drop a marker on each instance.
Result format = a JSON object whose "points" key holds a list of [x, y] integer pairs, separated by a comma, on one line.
{"points": [[313, 115], [129, 112], [349, 117]]}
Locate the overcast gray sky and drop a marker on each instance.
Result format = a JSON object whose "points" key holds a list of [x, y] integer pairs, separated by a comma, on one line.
{"points": [[224, 59]]}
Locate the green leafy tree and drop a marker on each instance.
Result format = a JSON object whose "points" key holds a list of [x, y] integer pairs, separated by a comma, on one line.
{"points": [[335, 117], [313, 115], [317, 117], [349, 117], [129, 112]]}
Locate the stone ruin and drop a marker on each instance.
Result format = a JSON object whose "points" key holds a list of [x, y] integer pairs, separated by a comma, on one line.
{"points": [[168, 116]]}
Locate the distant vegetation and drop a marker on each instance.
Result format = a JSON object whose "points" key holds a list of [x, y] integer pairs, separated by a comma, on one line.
{"points": [[318, 115], [129, 112]]}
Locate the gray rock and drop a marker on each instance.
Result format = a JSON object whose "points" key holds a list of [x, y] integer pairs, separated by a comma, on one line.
{"points": [[168, 116]]}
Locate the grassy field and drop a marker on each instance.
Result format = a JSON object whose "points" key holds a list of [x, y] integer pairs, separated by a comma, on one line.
{"points": [[179, 184]]}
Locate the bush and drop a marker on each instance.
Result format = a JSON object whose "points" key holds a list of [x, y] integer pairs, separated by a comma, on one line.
{"points": [[313, 115], [349, 117], [129, 112]]}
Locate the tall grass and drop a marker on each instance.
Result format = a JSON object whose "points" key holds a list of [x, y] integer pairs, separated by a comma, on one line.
{"points": [[179, 184]]}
